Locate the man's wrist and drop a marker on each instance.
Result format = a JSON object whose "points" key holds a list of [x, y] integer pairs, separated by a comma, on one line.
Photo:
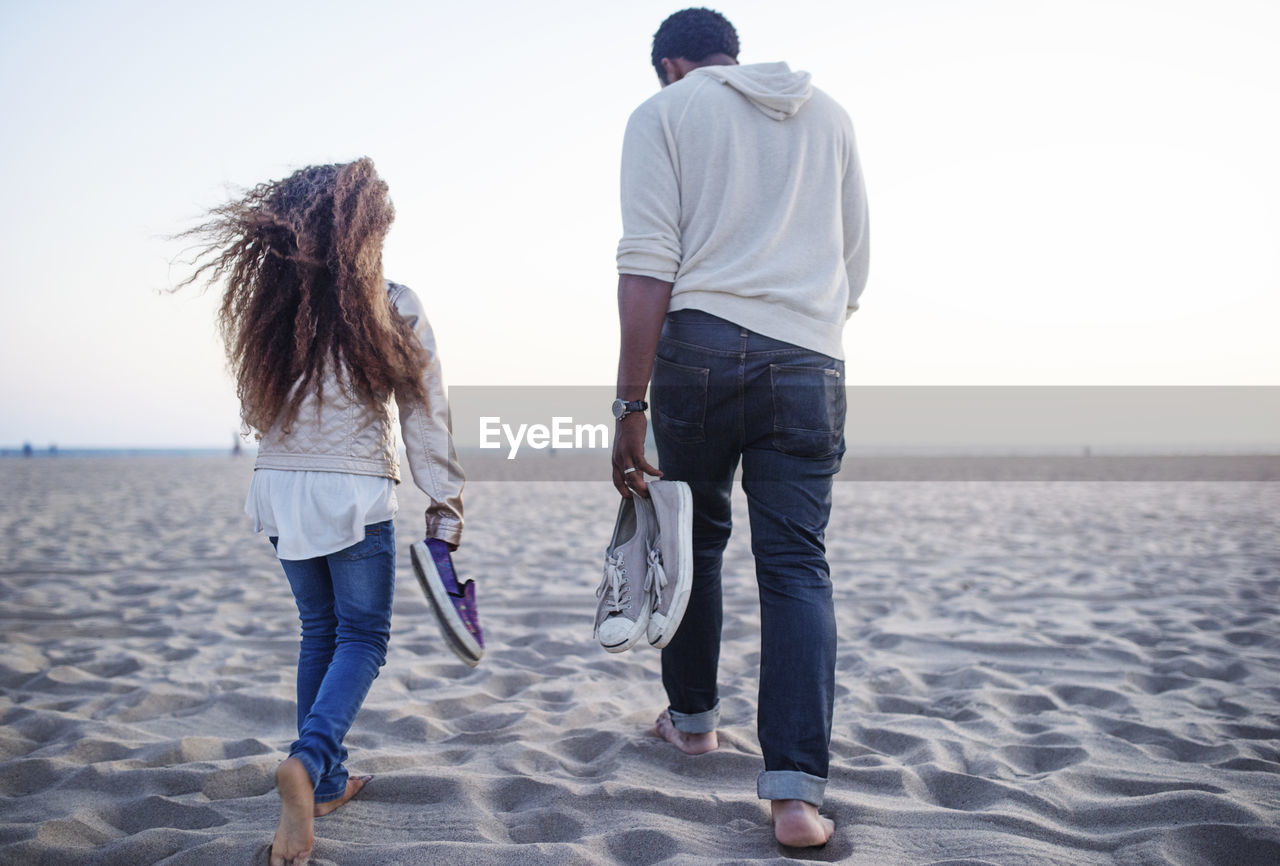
{"points": [[623, 407]]}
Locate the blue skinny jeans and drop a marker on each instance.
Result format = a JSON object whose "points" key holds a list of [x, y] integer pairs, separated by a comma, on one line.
{"points": [[344, 603]]}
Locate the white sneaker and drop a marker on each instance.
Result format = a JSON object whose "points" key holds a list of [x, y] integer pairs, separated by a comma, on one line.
{"points": [[623, 612], [670, 560]]}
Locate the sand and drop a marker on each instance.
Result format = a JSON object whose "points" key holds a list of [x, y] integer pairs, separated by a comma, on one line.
{"points": [[1029, 673]]}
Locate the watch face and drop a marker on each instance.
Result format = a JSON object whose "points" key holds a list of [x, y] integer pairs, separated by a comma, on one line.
{"points": [[619, 408]]}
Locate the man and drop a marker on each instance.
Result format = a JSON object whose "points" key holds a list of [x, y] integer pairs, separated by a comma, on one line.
{"points": [[744, 251]]}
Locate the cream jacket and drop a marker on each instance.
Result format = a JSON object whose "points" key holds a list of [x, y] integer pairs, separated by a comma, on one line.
{"points": [[337, 433]]}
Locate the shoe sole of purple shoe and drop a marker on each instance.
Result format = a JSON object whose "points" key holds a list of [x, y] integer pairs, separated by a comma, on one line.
{"points": [[452, 628], [684, 579]]}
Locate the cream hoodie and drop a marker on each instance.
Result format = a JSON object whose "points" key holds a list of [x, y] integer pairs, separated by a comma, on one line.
{"points": [[741, 186]]}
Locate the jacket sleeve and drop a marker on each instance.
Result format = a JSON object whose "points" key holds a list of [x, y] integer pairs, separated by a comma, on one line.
{"points": [[427, 432], [857, 229], [650, 245]]}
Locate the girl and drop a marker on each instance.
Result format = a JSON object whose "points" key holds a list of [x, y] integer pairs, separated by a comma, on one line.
{"points": [[320, 345]]}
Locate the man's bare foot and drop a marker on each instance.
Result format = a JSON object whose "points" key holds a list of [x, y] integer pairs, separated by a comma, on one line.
{"points": [[295, 835], [353, 788], [690, 744], [797, 824]]}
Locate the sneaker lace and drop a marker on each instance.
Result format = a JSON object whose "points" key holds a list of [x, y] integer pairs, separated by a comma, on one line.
{"points": [[655, 578], [615, 583]]}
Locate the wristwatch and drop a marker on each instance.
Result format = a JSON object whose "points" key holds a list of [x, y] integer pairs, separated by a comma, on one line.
{"points": [[623, 408]]}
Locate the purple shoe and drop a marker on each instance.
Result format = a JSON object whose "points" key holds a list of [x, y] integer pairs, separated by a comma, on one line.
{"points": [[455, 606]]}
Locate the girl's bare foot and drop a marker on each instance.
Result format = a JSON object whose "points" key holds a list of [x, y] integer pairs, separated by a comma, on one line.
{"points": [[353, 788], [690, 744], [797, 824], [295, 835]]}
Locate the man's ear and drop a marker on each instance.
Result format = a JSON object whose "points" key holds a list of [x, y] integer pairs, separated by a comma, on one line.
{"points": [[673, 68]]}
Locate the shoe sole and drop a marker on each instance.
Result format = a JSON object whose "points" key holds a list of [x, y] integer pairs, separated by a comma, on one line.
{"points": [[641, 627], [684, 580], [638, 631], [452, 628]]}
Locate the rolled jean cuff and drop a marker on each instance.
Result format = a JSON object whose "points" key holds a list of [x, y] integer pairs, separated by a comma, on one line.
{"points": [[696, 723], [791, 785], [329, 798], [308, 762]]}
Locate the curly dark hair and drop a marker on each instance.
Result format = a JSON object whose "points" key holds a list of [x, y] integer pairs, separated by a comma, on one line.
{"points": [[693, 34], [302, 262]]}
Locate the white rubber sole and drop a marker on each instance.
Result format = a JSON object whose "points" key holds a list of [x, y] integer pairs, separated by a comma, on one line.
{"points": [[684, 579], [633, 637], [452, 628]]}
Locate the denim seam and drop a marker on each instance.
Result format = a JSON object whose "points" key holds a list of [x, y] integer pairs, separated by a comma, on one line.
{"points": [[313, 772], [705, 371], [773, 353], [791, 785], [336, 796], [828, 431], [743, 351], [688, 722], [375, 537], [705, 350]]}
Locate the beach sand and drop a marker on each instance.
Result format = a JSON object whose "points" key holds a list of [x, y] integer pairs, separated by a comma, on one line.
{"points": [[1029, 673]]}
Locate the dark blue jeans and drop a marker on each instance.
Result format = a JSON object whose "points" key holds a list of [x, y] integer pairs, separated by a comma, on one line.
{"points": [[344, 602], [722, 395]]}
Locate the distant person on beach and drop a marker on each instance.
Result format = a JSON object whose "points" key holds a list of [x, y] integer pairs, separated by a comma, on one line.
{"points": [[321, 346], [744, 251]]}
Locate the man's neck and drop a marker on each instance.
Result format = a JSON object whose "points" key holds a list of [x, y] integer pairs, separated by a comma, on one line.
{"points": [[680, 67], [714, 60]]}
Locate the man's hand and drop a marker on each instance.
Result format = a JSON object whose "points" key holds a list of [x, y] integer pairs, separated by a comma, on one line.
{"points": [[628, 452]]}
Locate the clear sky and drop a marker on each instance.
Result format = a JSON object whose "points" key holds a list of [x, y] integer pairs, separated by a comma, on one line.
{"points": [[1062, 191]]}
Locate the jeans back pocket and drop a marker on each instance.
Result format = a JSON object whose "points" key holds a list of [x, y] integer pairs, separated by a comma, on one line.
{"points": [[378, 537], [808, 409], [679, 396]]}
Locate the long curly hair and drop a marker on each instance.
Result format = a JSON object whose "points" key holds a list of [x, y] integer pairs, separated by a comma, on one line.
{"points": [[301, 259]]}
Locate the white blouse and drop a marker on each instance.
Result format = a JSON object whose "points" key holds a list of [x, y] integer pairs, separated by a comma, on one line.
{"points": [[317, 513]]}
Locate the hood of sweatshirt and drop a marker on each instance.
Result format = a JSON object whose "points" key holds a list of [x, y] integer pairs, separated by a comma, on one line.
{"points": [[772, 87]]}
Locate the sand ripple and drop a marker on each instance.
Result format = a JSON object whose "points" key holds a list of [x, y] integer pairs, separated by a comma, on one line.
{"points": [[1048, 673]]}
